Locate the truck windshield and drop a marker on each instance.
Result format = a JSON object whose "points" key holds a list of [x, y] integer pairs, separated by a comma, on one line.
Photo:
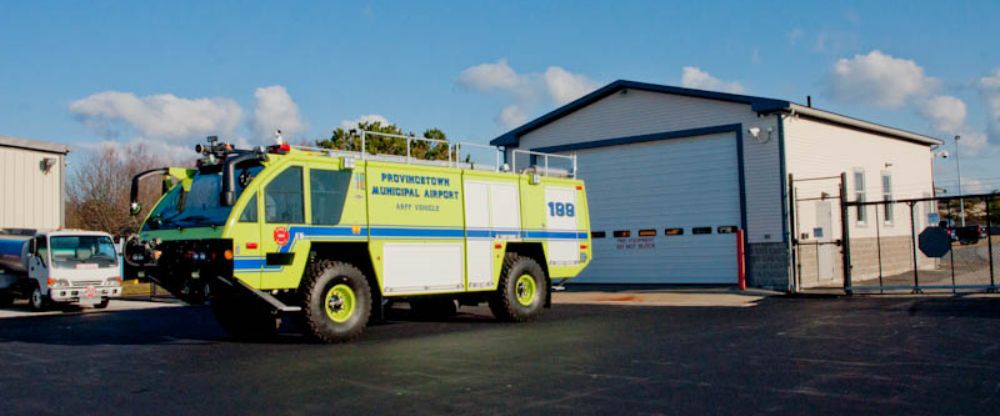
{"points": [[200, 206], [70, 252]]}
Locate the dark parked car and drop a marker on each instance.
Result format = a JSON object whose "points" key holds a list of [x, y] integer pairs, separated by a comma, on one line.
{"points": [[969, 234]]}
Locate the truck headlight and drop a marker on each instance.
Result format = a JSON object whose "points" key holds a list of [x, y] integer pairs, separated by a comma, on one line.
{"points": [[52, 282], [113, 281]]}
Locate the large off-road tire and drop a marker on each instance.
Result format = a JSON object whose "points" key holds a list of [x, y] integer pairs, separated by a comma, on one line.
{"points": [[433, 308], [336, 301], [39, 301], [520, 295], [245, 318]]}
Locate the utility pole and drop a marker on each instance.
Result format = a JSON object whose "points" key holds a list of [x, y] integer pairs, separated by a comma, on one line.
{"points": [[958, 164]]}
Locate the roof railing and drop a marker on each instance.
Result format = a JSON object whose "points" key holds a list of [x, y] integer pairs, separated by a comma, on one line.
{"points": [[487, 158], [545, 164]]}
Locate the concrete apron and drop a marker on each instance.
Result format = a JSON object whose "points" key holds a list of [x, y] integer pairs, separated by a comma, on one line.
{"points": [[727, 298]]}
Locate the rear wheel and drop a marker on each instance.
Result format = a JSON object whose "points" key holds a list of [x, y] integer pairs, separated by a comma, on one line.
{"points": [[337, 301], [244, 318], [520, 295]]}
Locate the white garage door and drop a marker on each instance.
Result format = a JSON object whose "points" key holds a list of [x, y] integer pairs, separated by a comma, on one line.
{"points": [[637, 192]]}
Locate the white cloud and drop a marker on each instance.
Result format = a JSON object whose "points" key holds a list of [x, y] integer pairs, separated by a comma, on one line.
{"points": [[990, 88], [275, 110], [528, 90], [879, 79], [512, 116], [946, 113], [492, 76], [366, 118], [694, 77], [174, 154], [565, 86], [157, 117]]}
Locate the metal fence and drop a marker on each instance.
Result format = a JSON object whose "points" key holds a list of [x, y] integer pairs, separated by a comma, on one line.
{"points": [[933, 244], [921, 245]]}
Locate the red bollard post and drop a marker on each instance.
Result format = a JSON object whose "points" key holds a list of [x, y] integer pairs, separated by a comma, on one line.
{"points": [[741, 264]]}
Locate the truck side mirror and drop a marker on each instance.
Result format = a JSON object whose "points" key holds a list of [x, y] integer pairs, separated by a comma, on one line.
{"points": [[134, 208]]}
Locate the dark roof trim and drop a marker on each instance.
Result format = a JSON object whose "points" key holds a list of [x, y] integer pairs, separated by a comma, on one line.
{"points": [[666, 135], [8, 141], [759, 104]]}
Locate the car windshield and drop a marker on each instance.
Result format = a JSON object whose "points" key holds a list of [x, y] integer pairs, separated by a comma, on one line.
{"points": [[200, 206], [71, 252]]}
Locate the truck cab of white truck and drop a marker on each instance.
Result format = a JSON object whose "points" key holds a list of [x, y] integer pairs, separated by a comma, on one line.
{"points": [[69, 266]]}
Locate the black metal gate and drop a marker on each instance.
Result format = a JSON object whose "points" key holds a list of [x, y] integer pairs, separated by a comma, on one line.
{"points": [[940, 244], [817, 239], [930, 244]]}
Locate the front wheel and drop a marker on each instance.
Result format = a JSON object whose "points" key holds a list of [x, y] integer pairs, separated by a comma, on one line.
{"points": [[520, 295], [6, 299], [337, 301], [39, 300], [102, 304]]}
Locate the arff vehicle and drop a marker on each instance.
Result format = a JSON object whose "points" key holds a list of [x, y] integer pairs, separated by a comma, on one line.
{"points": [[335, 236], [64, 266]]}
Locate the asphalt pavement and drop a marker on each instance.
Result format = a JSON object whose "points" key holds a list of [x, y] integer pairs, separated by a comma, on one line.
{"points": [[780, 356]]}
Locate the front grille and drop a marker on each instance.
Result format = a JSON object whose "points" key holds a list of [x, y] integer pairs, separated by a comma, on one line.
{"points": [[85, 283]]}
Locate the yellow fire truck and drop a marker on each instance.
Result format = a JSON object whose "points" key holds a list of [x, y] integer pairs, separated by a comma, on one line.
{"points": [[333, 236]]}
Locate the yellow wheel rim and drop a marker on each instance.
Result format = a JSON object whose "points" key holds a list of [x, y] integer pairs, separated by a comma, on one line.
{"points": [[525, 289], [339, 303]]}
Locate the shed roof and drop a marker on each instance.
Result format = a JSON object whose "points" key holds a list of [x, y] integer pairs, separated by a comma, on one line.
{"points": [[37, 145], [758, 104]]}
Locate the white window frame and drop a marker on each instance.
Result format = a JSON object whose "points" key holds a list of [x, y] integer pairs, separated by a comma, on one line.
{"points": [[860, 195], [888, 212]]}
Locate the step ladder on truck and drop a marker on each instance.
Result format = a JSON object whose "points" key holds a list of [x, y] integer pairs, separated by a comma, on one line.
{"points": [[333, 236]]}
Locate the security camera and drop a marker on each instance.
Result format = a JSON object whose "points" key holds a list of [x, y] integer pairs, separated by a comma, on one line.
{"points": [[754, 131], [943, 154]]}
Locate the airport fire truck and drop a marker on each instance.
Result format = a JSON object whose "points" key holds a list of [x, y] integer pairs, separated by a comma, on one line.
{"points": [[335, 236]]}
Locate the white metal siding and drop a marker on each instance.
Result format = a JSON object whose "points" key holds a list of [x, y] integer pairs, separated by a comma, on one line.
{"points": [[641, 112], [29, 197], [677, 183], [817, 149]]}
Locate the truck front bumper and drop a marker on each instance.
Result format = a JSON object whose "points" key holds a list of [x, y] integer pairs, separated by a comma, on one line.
{"points": [[78, 293]]}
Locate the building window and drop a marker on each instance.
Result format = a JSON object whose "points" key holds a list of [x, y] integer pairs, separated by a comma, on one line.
{"points": [[647, 233], [598, 234], [727, 229], [859, 196], [701, 230], [283, 198], [673, 231], [887, 196], [622, 234]]}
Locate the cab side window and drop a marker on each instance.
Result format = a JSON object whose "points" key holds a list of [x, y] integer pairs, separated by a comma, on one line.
{"points": [[250, 212], [42, 249], [283, 198], [328, 189]]}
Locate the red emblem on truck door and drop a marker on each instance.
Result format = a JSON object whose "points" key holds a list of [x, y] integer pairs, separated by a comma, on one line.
{"points": [[281, 236]]}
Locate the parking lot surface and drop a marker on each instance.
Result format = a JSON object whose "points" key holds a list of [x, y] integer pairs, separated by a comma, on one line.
{"points": [[782, 356]]}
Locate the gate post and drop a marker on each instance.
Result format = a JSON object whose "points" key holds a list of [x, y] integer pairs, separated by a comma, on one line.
{"points": [[913, 243], [845, 234], [792, 239], [989, 242]]}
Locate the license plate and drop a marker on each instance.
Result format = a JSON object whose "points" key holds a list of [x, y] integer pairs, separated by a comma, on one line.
{"points": [[90, 292]]}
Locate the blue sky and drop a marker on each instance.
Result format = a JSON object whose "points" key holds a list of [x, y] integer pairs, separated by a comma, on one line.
{"points": [[172, 72]]}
